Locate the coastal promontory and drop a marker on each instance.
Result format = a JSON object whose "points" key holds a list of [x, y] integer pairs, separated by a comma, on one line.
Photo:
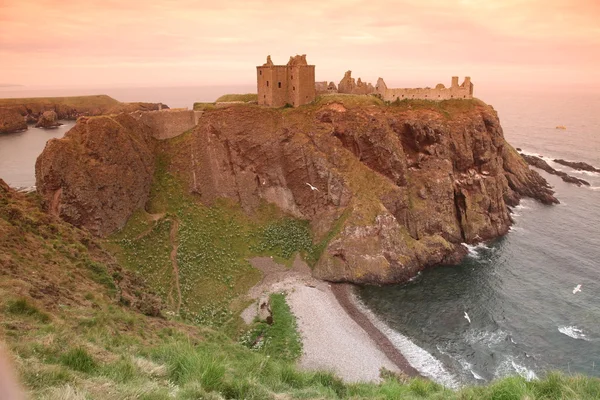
{"points": [[388, 189]]}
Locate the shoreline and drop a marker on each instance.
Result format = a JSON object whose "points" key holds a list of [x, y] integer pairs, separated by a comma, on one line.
{"points": [[342, 292], [336, 335]]}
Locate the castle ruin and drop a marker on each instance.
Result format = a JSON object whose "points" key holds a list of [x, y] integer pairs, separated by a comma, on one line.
{"points": [[292, 84], [440, 92]]}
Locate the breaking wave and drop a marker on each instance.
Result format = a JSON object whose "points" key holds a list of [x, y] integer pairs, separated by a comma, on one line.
{"points": [[419, 358], [572, 331]]}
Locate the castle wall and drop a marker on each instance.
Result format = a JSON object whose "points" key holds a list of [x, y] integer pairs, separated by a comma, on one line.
{"points": [[167, 124], [440, 92], [302, 90]]}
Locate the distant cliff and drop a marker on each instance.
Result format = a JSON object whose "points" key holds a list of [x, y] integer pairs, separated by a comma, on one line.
{"points": [[395, 188], [66, 108]]}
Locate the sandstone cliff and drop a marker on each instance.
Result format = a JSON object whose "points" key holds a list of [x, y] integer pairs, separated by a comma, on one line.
{"points": [[396, 188], [11, 121], [99, 173]]}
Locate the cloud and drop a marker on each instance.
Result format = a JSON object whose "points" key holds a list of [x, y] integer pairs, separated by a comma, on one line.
{"points": [[189, 39]]}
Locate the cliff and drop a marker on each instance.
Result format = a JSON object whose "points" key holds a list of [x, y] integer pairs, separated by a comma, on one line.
{"points": [[389, 190], [11, 121], [67, 108], [99, 173]]}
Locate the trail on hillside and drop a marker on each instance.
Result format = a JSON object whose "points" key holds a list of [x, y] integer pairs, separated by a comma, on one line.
{"points": [[173, 238], [154, 218]]}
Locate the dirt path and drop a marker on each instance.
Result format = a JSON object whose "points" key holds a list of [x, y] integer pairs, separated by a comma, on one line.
{"points": [[154, 218], [173, 238]]}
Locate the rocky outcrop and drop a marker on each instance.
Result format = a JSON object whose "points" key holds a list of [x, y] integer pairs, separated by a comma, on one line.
{"points": [[48, 120], [543, 165], [392, 189], [578, 165], [71, 108], [99, 173], [11, 121]]}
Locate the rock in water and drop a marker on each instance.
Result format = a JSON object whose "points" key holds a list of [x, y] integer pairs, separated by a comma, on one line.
{"points": [[578, 165], [543, 165], [399, 188], [11, 121], [48, 120], [99, 173]]}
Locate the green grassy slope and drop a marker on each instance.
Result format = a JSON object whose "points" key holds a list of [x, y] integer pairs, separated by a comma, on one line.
{"points": [[81, 324]]}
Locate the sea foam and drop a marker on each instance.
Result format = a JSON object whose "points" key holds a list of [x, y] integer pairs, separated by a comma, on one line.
{"points": [[572, 331], [419, 358]]}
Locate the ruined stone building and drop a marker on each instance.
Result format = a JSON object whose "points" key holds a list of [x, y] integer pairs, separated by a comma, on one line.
{"points": [[440, 92], [293, 84], [349, 85]]}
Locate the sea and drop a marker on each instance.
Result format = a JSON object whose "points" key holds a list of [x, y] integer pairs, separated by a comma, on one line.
{"points": [[517, 291]]}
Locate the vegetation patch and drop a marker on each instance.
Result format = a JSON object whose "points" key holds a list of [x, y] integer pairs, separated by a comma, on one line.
{"points": [[248, 97], [78, 359], [284, 238], [199, 106], [24, 308], [279, 340]]}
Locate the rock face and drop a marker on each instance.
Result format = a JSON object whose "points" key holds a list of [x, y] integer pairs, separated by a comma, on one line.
{"points": [[99, 173], [396, 188], [48, 120], [11, 121]]}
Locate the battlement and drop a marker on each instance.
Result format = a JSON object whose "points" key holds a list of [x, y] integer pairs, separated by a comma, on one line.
{"points": [[293, 83]]}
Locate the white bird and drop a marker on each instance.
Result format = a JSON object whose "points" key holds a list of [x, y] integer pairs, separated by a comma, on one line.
{"points": [[577, 289], [312, 187], [467, 317]]}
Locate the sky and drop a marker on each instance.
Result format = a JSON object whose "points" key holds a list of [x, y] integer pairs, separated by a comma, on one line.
{"points": [[526, 43]]}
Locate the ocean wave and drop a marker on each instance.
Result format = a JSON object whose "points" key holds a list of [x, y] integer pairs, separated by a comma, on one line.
{"points": [[467, 366], [419, 358], [516, 229], [594, 188], [509, 366], [522, 206], [572, 331], [415, 277], [475, 249], [486, 337]]}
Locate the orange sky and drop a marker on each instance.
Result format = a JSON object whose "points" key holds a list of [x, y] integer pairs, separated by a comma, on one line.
{"points": [[196, 42]]}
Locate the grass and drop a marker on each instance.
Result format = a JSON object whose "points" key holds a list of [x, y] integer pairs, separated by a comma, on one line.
{"points": [[78, 359], [25, 308], [198, 106], [101, 100], [284, 238], [248, 97], [214, 244], [348, 100], [91, 346], [279, 340]]}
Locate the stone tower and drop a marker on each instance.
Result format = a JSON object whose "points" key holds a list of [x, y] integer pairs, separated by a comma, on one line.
{"points": [[278, 85]]}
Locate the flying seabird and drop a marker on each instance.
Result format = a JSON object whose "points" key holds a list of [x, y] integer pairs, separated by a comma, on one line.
{"points": [[312, 187], [577, 289], [467, 317]]}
